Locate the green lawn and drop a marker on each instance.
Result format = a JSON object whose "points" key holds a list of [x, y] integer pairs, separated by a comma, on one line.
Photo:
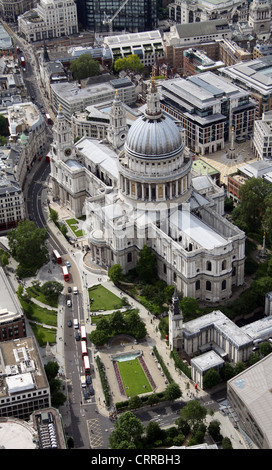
{"points": [[34, 291], [134, 378], [73, 224], [38, 314], [43, 335], [103, 299]]}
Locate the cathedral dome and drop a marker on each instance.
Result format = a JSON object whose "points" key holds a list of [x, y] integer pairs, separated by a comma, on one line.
{"points": [[153, 138], [153, 135]]}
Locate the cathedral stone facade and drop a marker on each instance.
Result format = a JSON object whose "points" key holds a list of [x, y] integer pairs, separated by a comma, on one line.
{"points": [[136, 188]]}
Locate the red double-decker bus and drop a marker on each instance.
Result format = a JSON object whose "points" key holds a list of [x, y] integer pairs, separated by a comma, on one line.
{"points": [[84, 351], [57, 256], [87, 367], [65, 273], [48, 119], [83, 333]]}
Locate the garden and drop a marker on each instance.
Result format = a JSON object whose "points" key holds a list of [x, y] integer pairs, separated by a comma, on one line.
{"points": [[73, 224], [133, 377], [101, 298]]}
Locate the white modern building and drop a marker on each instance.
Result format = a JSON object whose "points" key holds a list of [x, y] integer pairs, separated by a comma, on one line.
{"points": [[50, 19], [136, 188], [148, 46]]}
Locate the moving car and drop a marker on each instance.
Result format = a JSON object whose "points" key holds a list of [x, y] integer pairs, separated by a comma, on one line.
{"points": [[68, 264], [69, 289], [69, 303], [69, 323]]}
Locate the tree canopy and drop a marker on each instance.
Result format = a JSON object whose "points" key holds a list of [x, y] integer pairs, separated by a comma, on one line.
{"points": [[85, 66], [127, 431], [254, 211], [147, 265], [27, 246], [132, 63]]}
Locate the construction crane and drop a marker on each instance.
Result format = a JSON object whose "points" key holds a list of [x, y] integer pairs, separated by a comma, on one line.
{"points": [[108, 20]]}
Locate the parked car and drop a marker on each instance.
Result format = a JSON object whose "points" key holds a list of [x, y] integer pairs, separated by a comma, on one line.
{"points": [[85, 393], [88, 380], [69, 303], [69, 289], [91, 390], [68, 264]]}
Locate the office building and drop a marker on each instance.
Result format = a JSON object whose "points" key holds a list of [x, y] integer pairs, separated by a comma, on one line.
{"points": [[11, 9], [208, 107], [23, 386], [148, 46], [249, 394], [255, 76], [186, 11], [73, 98], [49, 20], [130, 16]]}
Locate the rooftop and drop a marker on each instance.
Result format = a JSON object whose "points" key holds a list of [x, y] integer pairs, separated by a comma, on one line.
{"points": [[254, 388]]}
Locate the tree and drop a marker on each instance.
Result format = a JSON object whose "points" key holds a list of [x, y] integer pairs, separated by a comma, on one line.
{"points": [[127, 428], [135, 402], [115, 273], [226, 443], [189, 307], [146, 266], [153, 432], [51, 370], [214, 430], [27, 246], [254, 196], [85, 66], [4, 259], [172, 391], [211, 378], [132, 63], [98, 337], [193, 413], [265, 348], [54, 216], [52, 289]]}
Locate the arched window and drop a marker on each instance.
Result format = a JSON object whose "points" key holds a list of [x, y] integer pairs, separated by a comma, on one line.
{"points": [[224, 285], [208, 285], [209, 266], [224, 264], [197, 285]]}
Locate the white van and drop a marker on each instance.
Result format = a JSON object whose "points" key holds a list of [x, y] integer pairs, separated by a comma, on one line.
{"points": [[75, 291], [76, 323]]}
